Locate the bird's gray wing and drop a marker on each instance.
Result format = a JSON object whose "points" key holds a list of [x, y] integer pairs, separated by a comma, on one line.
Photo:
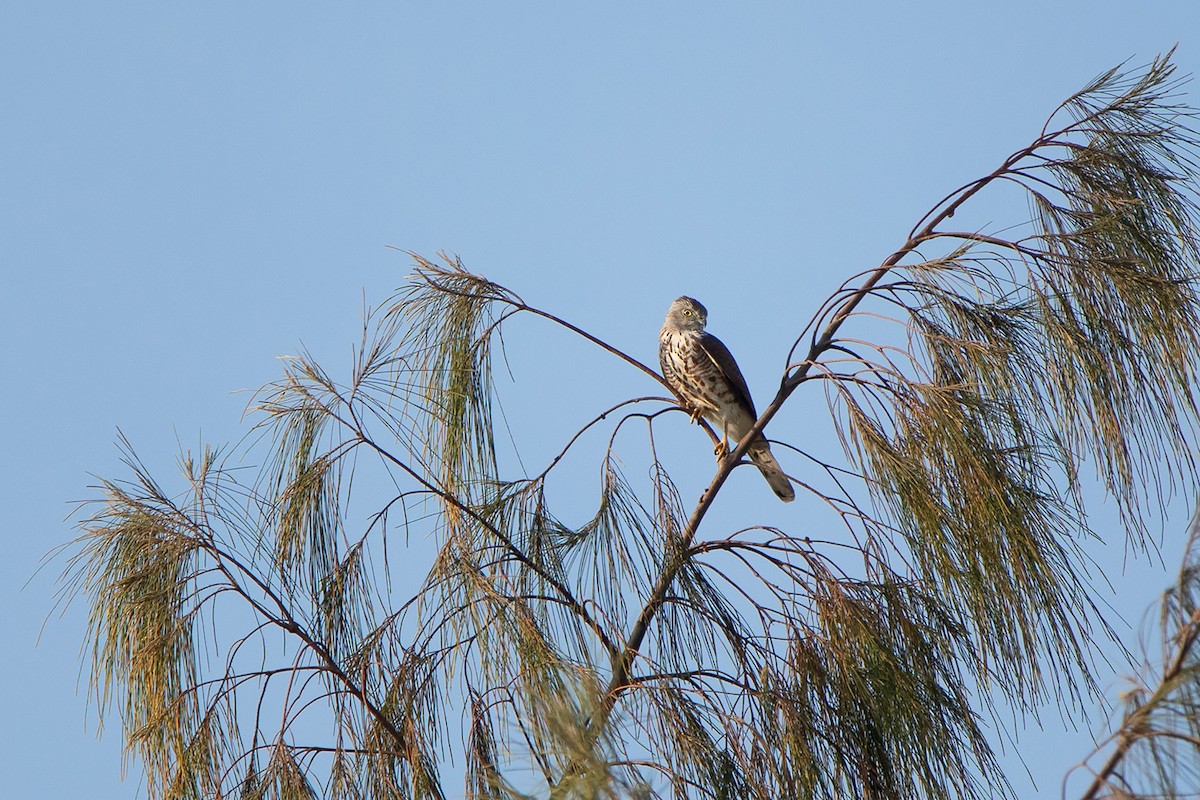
{"points": [[719, 354]]}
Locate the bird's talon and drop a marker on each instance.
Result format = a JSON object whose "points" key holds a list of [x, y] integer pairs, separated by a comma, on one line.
{"points": [[722, 447]]}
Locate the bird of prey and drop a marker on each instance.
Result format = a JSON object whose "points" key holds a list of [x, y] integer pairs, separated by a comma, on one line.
{"points": [[703, 373]]}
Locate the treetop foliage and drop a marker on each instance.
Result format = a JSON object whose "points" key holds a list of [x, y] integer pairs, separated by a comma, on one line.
{"points": [[252, 636]]}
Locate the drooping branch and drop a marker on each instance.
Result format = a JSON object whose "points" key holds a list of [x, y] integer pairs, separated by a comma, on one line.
{"points": [[634, 648], [1123, 239], [1158, 739]]}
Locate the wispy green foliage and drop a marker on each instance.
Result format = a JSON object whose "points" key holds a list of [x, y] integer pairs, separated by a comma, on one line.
{"points": [[265, 638], [446, 314], [140, 569], [1025, 358], [283, 778], [1154, 749]]}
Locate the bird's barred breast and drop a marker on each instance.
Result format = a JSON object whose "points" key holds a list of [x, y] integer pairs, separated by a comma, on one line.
{"points": [[691, 373]]}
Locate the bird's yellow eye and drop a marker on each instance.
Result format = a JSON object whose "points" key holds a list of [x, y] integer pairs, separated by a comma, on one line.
{"points": [[687, 312]]}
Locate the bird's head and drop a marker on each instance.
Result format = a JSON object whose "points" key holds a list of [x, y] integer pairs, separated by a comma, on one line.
{"points": [[686, 314]]}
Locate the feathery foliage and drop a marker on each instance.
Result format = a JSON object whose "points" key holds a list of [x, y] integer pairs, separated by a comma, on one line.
{"points": [[256, 641], [1154, 750]]}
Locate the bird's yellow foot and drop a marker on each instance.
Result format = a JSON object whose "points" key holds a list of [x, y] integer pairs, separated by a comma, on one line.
{"points": [[721, 449]]}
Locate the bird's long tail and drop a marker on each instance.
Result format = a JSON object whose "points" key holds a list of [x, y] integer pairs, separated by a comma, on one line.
{"points": [[760, 454]]}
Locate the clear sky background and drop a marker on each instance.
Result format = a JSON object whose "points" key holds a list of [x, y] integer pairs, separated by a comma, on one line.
{"points": [[188, 191]]}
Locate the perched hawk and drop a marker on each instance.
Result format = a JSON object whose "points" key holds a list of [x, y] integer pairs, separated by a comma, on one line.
{"points": [[703, 373]]}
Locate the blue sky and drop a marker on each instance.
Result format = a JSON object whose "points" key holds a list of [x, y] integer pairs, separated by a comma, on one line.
{"points": [[188, 191]]}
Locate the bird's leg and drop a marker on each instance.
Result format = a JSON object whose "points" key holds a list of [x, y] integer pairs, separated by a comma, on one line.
{"points": [[721, 449]]}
